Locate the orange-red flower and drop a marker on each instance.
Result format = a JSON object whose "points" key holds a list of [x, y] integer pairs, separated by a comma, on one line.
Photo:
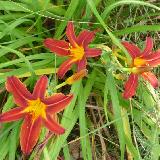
{"points": [[142, 63], [76, 49], [36, 109]]}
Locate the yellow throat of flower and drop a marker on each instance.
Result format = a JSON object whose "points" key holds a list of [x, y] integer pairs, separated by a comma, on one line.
{"points": [[139, 62], [36, 108], [77, 52]]}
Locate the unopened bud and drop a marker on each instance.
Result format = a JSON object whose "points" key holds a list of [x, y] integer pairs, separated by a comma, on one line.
{"points": [[77, 76]]}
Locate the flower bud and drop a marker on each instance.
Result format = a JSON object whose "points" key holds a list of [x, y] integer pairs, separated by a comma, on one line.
{"points": [[77, 76]]}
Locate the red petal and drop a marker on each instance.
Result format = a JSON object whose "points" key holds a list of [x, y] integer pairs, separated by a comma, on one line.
{"points": [[60, 47], [133, 50], [29, 134], [130, 86], [40, 87], [151, 78], [149, 46], [153, 59], [81, 64], [71, 34], [85, 37], [53, 126], [12, 115], [65, 66], [54, 98], [58, 103], [20, 93], [93, 52], [20, 101]]}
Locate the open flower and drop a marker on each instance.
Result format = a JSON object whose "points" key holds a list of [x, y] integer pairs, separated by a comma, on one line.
{"points": [[77, 49], [36, 109], [142, 64]]}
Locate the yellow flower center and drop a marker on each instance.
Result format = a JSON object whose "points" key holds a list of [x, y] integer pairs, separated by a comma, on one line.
{"points": [[36, 108], [77, 52], [139, 61]]}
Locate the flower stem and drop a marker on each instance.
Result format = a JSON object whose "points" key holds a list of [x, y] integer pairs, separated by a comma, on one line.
{"points": [[126, 69], [60, 85]]}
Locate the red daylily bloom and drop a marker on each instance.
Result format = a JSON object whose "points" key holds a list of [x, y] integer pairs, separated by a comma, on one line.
{"points": [[142, 64], [36, 109], [77, 49]]}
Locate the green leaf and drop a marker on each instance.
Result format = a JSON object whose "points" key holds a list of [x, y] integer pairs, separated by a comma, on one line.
{"points": [[117, 111], [112, 36]]}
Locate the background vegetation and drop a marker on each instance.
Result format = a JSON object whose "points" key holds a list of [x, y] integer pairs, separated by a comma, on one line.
{"points": [[99, 123]]}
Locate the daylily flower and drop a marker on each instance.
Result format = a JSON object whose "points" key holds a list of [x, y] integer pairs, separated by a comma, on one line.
{"points": [[142, 64], [76, 49], [36, 109]]}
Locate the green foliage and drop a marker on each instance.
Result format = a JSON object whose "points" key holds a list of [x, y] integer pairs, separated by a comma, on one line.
{"points": [[98, 120]]}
